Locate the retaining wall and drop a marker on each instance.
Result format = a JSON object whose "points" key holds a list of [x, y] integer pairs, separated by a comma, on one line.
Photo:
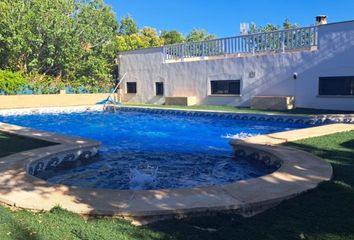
{"points": [[50, 100]]}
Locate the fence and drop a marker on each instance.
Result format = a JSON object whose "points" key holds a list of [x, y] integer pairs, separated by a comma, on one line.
{"points": [[277, 41]]}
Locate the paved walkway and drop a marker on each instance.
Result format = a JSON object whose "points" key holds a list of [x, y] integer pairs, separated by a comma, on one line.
{"points": [[295, 135]]}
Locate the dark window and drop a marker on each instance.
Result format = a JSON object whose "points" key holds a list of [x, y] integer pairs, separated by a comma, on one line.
{"points": [[159, 88], [225, 87], [131, 87], [336, 86]]}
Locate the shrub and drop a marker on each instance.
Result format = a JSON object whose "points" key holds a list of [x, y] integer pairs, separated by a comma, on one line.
{"points": [[11, 82], [41, 84]]}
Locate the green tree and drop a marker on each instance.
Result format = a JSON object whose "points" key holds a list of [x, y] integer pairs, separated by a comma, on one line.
{"points": [[57, 38], [96, 30], [131, 42], [271, 27], [151, 37], [172, 37], [197, 35], [288, 25], [128, 26]]}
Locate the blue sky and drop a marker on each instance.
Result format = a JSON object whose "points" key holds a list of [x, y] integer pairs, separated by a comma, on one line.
{"points": [[223, 17]]}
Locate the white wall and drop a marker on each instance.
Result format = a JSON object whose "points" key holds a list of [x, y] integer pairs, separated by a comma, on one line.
{"points": [[274, 73]]}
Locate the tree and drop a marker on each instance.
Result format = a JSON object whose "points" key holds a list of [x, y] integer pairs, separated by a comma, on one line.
{"points": [[131, 42], [128, 26], [288, 25], [96, 28], [151, 37], [72, 40], [172, 37], [58, 38], [146, 37], [197, 35], [271, 27], [275, 41]]}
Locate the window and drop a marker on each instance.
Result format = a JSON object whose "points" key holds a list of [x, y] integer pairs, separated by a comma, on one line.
{"points": [[159, 88], [224, 87], [131, 87], [336, 86]]}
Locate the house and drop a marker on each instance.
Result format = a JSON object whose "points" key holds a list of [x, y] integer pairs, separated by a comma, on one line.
{"points": [[309, 67]]}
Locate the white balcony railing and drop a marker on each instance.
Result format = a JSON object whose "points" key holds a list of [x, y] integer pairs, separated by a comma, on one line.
{"points": [[277, 41]]}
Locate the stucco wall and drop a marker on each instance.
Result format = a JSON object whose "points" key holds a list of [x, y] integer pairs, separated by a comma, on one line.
{"points": [[50, 100], [273, 73]]}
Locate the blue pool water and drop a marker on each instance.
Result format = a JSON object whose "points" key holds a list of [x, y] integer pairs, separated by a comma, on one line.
{"points": [[154, 151]]}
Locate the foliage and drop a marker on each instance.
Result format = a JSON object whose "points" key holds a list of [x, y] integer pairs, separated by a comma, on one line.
{"points": [[197, 35], [128, 26], [17, 83], [271, 27], [275, 42], [131, 42], [145, 38], [11, 82], [150, 35], [69, 39], [71, 42], [288, 25], [172, 37]]}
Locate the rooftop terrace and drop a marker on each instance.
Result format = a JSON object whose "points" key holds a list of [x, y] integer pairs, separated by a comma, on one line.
{"points": [[305, 38]]}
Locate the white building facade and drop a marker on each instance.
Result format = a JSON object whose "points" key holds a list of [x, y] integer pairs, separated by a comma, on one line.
{"points": [[315, 65]]}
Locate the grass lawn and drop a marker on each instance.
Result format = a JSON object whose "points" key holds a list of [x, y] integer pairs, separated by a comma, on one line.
{"points": [[296, 111], [323, 213], [11, 144]]}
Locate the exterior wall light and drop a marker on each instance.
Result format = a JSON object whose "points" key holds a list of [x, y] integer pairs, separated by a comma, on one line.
{"points": [[295, 75], [252, 74]]}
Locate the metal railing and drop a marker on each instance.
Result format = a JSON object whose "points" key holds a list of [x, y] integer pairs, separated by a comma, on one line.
{"points": [[277, 41]]}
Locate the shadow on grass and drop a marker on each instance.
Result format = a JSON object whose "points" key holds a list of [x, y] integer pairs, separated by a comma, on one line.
{"points": [[348, 144], [12, 228]]}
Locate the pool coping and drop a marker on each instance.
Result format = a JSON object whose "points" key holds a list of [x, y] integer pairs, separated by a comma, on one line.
{"points": [[299, 172], [321, 118]]}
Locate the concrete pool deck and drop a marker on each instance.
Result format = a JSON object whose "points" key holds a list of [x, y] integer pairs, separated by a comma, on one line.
{"points": [[298, 172]]}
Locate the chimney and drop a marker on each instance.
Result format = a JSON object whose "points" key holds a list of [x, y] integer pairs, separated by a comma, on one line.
{"points": [[321, 19]]}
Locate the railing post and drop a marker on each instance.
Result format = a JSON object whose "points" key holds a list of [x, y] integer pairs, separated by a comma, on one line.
{"points": [[165, 57], [316, 42], [283, 41], [182, 52], [253, 44]]}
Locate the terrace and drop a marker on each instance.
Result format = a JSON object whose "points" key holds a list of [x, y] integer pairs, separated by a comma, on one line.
{"points": [[297, 39]]}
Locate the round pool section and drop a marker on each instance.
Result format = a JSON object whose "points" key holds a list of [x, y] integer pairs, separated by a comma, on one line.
{"points": [[153, 151]]}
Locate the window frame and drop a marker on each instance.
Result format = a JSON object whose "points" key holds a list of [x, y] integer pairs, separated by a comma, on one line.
{"points": [[330, 92], [127, 88], [156, 88], [229, 81]]}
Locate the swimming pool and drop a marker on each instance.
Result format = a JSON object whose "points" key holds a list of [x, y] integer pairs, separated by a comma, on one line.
{"points": [[153, 150]]}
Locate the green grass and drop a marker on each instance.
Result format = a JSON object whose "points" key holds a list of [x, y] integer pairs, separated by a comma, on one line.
{"points": [[297, 111], [326, 212], [10, 144]]}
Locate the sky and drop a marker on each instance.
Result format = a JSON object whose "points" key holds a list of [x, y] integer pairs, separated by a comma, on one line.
{"points": [[223, 17]]}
